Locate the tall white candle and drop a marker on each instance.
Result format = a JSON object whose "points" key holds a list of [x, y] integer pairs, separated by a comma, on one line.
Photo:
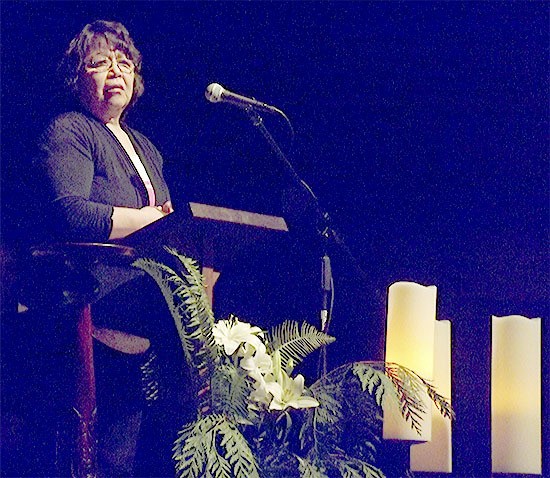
{"points": [[436, 455], [410, 342], [516, 395]]}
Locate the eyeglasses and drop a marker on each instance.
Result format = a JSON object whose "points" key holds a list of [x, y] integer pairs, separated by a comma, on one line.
{"points": [[101, 64]]}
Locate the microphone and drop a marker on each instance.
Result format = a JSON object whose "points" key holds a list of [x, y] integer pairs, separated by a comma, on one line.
{"points": [[216, 93], [326, 287]]}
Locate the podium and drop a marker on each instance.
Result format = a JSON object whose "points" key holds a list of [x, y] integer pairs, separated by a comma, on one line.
{"points": [[74, 262], [209, 234]]}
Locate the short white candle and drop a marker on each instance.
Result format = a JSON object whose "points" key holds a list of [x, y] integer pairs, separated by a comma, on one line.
{"points": [[436, 455]]}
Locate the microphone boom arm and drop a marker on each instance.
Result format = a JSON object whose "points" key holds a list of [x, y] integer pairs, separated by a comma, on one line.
{"points": [[326, 232]]}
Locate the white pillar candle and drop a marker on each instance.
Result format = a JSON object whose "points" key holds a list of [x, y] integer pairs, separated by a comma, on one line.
{"points": [[516, 395], [410, 342], [436, 455]]}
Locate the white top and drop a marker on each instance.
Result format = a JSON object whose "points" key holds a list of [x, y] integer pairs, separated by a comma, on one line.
{"points": [[124, 140], [144, 177]]}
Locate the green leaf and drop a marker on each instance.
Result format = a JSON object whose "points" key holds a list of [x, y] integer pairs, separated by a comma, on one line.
{"points": [[322, 429], [408, 389], [294, 343], [213, 446], [230, 392], [350, 467], [309, 469], [190, 308], [374, 381], [189, 452]]}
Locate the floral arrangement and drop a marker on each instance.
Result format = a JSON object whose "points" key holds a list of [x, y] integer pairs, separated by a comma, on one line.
{"points": [[272, 387], [255, 417]]}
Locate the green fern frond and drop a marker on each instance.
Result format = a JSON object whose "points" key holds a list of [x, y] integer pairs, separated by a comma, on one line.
{"points": [[344, 408], [189, 450], [442, 403], [294, 343], [308, 469], [169, 283], [350, 467], [408, 391], [330, 412], [322, 427], [374, 381], [406, 386], [237, 451], [383, 381], [213, 447], [393, 382], [198, 303], [190, 308], [230, 392], [331, 398]]}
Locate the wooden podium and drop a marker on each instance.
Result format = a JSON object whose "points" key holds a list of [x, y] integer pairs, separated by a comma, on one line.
{"points": [[209, 234], [73, 263]]}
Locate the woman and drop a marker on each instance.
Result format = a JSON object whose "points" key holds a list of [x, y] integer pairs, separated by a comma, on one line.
{"points": [[103, 181], [106, 179]]}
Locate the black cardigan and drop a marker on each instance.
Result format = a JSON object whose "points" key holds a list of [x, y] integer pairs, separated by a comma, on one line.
{"points": [[86, 172]]}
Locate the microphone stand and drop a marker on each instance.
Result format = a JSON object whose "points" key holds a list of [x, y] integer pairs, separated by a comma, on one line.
{"points": [[324, 229]]}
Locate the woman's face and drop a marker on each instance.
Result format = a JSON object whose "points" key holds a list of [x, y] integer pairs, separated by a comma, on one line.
{"points": [[107, 83]]}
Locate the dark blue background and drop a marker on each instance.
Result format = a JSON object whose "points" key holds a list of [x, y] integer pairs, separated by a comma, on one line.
{"points": [[421, 126]]}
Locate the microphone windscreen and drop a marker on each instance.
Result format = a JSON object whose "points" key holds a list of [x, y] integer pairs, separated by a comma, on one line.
{"points": [[214, 92]]}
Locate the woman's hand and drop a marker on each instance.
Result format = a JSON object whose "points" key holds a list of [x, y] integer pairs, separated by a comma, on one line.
{"points": [[166, 208], [127, 220], [150, 214]]}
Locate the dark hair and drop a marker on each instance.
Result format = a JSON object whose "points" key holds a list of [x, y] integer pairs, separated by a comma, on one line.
{"points": [[117, 37]]}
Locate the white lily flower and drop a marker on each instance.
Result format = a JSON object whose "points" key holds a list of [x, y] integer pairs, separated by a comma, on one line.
{"points": [[258, 364], [260, 394], [287, 392], [232, 333], [251, 347]]}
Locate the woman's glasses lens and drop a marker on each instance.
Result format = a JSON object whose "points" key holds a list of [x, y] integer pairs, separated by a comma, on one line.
{"points": [[106, 63]]}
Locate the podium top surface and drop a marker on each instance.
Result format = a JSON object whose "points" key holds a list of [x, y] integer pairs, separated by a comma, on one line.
{"points": [[210, 234], [235, 216]]}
